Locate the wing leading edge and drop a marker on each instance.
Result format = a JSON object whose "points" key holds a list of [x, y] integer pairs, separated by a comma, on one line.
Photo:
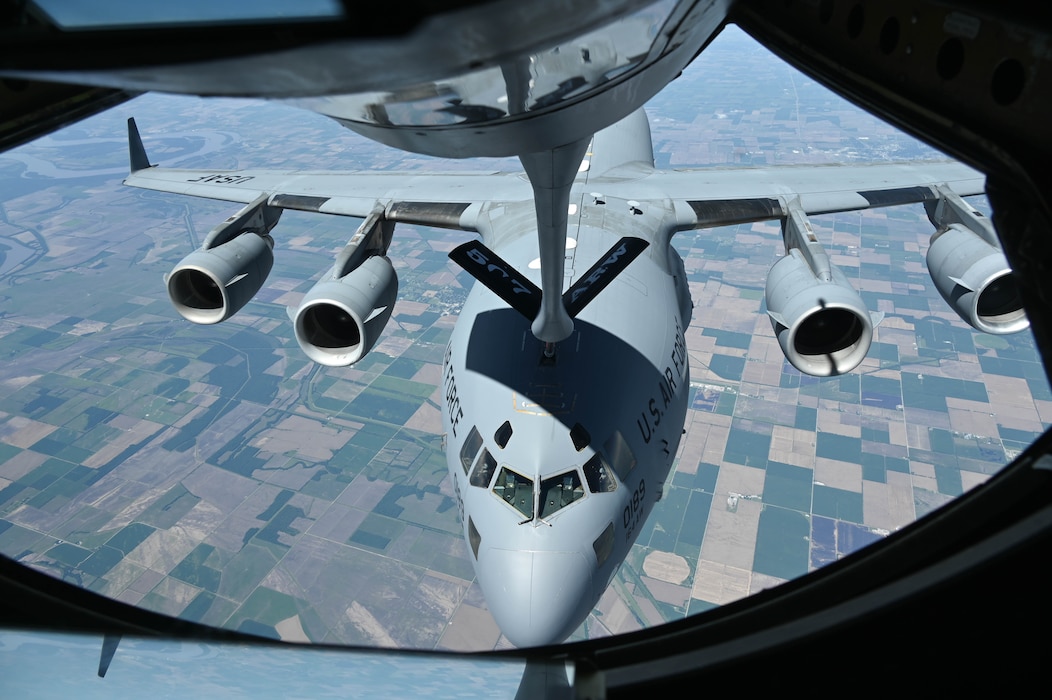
{"points": [[819, 319], [729, 196], [442, 200]]}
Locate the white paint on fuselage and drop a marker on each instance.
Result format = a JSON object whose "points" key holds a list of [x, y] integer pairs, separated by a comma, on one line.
{"points": [[571, 243], [622, 371]]}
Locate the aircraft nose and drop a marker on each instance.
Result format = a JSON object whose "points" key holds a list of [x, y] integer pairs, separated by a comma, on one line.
{"points": [[541, 596]]}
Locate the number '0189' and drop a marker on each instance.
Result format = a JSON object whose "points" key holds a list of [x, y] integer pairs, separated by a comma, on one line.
{"points": [[634, 509]]}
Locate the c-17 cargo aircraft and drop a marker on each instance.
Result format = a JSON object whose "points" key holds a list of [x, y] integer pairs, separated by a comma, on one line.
{"points": [[566, 378]]}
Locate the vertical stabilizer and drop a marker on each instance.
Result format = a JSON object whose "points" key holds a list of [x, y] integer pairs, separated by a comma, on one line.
{"points": [[627, 141]]}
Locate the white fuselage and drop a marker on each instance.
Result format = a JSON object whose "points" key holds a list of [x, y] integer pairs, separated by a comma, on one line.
{"points": [[556, 463]]}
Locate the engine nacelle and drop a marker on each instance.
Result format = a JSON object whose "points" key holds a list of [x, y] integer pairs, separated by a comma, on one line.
{"points": [[823, 327], [212, 284], [975, 280], [339, 320]]}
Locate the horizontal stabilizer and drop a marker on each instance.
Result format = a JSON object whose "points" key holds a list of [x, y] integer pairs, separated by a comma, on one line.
{"points": [[499, 277], [602, 273]]}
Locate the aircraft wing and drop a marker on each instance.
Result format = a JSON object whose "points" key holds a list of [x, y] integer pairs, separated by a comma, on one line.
{"points": [[429, 199], [727, 196], [426, 198]]}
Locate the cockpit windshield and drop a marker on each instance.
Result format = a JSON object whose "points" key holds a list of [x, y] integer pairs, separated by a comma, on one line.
{"points": [[516, 490], [555, 493], [560, 491]]}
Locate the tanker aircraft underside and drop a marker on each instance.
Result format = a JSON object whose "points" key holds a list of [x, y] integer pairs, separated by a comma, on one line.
{"points": [[566, 378]]}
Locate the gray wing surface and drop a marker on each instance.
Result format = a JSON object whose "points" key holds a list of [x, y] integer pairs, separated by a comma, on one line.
{"points": [[709, 196], [727, 196], [427, 198]]}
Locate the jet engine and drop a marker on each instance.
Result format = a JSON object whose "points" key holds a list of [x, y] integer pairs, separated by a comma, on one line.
{"points": [[822, 326], [968, 268], [975, 280], [341, 317], [212, 283]]}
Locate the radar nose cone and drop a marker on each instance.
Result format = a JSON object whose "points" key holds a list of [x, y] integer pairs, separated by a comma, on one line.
{"points": [[537, 598]]}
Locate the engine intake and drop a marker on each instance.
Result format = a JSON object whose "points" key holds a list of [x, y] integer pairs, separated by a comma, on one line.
{"points": [[975, 280], [341, 319], [211, 285], [822, 327]]}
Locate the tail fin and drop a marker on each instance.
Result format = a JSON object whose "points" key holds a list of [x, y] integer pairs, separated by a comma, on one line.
{"points": [[627, 141]]}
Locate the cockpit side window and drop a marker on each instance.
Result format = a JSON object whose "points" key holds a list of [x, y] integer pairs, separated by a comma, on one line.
{"points": [[604, 545], [502, 435], [470, 448], [482, 474], [516, 490], [598, 475], [579, 436], [620, 455], [475, 539], [560, 491]]}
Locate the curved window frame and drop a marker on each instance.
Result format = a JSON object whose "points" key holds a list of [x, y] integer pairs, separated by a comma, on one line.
{"points": [[503, 434], [579, 437], [484, 469], [620, 455], [474, 437], [474, 538], [518, 490], [598, 475], [604, 545], [568, 482]]}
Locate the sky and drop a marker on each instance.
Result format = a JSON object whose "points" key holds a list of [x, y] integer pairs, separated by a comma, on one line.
{"points": [[122, 13], [65, 665]]}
